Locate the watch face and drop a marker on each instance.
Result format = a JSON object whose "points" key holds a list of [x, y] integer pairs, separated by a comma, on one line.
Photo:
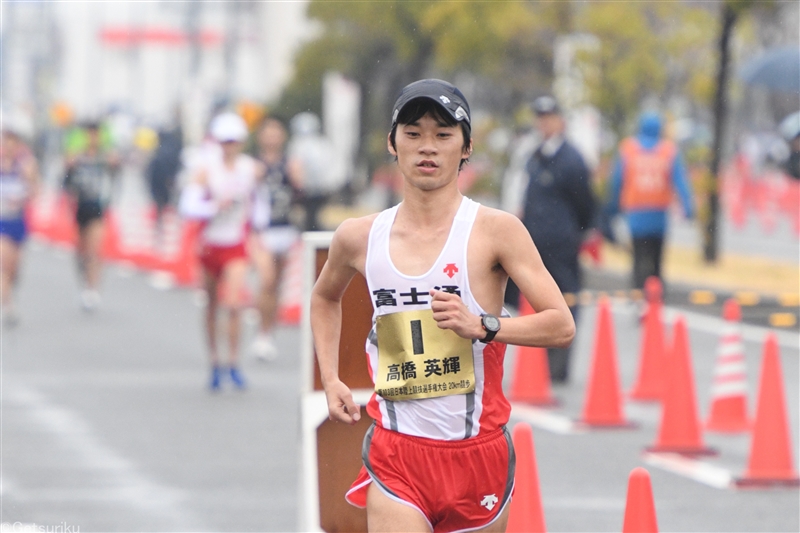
{"points": [[491, 322]]}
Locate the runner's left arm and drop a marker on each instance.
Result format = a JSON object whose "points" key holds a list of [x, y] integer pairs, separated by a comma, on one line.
{"points": [[551, 326]]}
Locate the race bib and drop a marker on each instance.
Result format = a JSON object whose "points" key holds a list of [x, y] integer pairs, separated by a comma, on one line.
{"points": [[417, 359]]}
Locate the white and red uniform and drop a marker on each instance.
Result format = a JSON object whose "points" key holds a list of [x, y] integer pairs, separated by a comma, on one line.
{"points": [[473, 479], [224, 234]]}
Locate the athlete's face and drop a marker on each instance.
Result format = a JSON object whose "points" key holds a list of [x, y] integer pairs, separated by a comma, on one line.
{"points": [[272, 137], [550, 124], [231, 149], [93, 139], [429, 152]]}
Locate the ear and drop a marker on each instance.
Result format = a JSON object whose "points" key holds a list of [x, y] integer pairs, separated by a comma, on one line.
{"points": [[389, 145], [468, 150]]}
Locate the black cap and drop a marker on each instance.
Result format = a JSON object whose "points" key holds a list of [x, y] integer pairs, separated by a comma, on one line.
{"points": [[546, 105], [445, 94]]}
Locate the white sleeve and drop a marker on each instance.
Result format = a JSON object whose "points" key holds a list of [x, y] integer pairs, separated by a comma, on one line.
{"points": [[194, 203]]}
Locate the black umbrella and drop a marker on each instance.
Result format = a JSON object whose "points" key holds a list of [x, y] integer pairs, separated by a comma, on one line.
{"points": [[777, 69]]}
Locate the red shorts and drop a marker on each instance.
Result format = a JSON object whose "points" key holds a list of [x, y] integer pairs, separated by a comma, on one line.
{"points": [[214, 258], [456, 485]]}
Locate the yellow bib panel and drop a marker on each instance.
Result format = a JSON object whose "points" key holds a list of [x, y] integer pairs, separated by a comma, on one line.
{"points": [[417, 359]]}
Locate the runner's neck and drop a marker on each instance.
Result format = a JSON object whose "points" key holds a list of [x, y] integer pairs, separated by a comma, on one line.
{"points": [[430, 209]]}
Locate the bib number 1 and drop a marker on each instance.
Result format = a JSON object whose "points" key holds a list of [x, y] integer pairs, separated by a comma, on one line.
{"points": [[417, 359]]}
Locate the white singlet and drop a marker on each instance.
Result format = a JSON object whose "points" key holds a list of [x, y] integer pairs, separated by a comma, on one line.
{"points": [[228, 227], [452, 415]]}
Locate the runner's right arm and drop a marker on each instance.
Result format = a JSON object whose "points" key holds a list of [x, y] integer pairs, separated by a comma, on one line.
{"points": [[346, 256]]}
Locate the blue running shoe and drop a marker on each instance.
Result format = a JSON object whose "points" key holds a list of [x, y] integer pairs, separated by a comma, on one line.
{"points": [[216, 378], [237, 378]]}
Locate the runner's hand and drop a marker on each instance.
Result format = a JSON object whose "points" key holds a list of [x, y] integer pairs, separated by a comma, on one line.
{"points": [[450, 312], [341, 407]]}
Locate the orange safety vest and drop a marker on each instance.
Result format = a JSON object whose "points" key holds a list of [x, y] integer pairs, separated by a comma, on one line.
{"points": [[646, 177]]}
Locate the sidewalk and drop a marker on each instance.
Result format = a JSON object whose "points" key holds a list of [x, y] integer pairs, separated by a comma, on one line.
{"points": [[732, 273]]}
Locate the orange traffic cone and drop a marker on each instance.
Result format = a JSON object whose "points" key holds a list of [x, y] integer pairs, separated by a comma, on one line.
{"points": [[680, 428], [526, 514], [640, 510], [291, 290], [771, 460], [531, 380], [603, 407], [650, 382], [63, 228], [35, 219], [290, 315], [729, 392], [45, 217]]}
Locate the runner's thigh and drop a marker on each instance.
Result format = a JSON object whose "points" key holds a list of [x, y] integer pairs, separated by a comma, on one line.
{"points": [[385, 515]]}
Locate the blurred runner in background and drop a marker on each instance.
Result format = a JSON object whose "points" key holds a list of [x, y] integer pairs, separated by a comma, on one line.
{"points": [[647, 171], [278, 190], [314, 154], [163, 169], [221, 194], [90, 177], [19, 180]]}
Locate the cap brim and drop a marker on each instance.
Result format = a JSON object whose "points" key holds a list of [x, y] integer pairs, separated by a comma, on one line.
{"points": [[411, 98], [424, 92]]}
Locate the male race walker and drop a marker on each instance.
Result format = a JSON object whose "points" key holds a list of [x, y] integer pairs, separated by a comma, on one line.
{"points": [[438, 457]]}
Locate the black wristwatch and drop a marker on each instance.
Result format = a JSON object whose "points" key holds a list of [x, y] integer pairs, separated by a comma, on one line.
{"points": [[491, 324]]}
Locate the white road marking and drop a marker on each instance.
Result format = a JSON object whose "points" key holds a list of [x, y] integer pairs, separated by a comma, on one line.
{"points": [[714, 325], [545, 419], [588, 503], [705, 473], [118, 478]]}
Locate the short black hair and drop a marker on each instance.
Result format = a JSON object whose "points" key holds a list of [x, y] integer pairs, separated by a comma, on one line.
{"points": [[418, 108]]}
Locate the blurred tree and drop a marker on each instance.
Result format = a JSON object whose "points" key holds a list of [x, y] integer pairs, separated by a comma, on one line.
{"points": [[385, 45], [730, 12], [509, 43], [377, 44], [647, 49]]}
